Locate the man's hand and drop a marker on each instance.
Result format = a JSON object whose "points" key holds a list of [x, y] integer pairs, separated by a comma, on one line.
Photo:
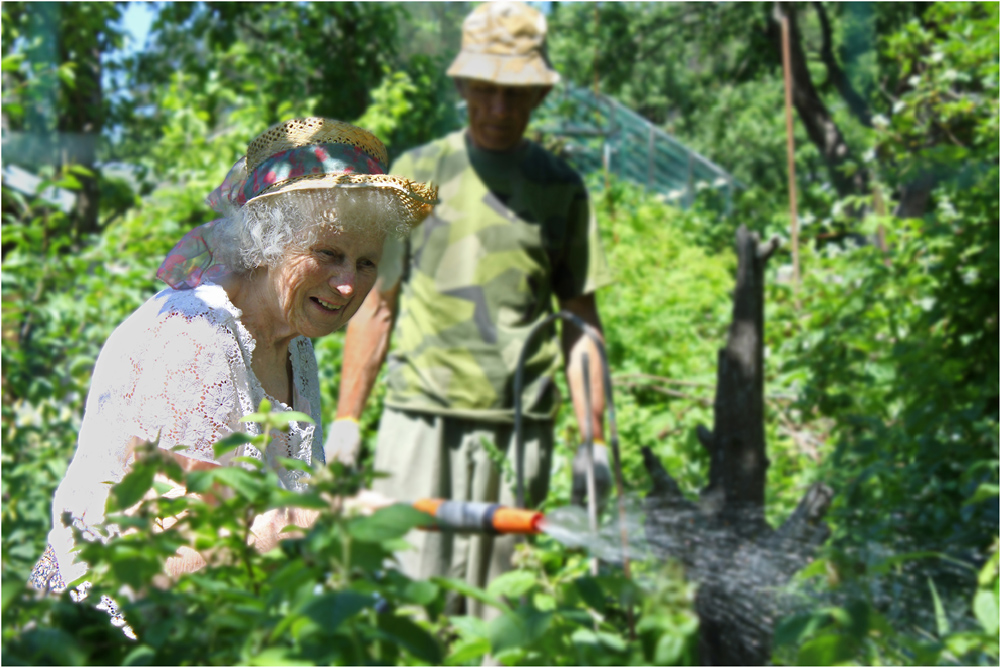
{"points": [[602, 474], [343, 442]]}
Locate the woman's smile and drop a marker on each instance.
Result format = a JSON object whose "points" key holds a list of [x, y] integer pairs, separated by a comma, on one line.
{"points": [[326, 305], [316, 290]]}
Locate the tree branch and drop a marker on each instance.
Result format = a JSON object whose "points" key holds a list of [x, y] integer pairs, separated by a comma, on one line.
{"points": [[663, 390], [805, 528], [705, 438], [664, 380], [665, 496], [765, 251], [836, 75]]}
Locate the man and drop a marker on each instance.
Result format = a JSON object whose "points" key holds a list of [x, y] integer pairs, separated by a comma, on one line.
{"points": [[513, 229]]}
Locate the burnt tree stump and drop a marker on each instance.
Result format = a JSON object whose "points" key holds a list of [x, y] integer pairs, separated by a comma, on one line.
{"points": [[723, 539]]}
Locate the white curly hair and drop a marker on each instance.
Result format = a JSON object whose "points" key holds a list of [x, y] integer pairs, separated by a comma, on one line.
{"points": [[262, 231]]}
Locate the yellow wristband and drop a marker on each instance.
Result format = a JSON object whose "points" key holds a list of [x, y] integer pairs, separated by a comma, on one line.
{"points": [[346, 419], [601, 443]]}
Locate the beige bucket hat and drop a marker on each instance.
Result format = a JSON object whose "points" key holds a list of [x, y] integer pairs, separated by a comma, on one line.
{"points": [[504, 42]]}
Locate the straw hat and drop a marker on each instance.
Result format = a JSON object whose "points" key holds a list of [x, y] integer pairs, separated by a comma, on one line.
{"points": [[311, 155], [504, 42], [319, 154]]}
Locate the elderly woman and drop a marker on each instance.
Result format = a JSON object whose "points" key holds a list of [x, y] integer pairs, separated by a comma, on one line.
{"points": [[304, 217]]}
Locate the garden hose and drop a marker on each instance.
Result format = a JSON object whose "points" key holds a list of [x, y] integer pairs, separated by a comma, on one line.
{"points": [[473, 517]]}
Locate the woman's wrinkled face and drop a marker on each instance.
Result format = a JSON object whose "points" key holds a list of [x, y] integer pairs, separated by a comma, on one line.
{"points": [[319, 288]]}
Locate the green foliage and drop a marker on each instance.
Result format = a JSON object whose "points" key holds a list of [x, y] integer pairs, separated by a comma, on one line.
{"points": [[327, 595], [50, 53], [704, 73], [58, 308], [893, 354], [274, 61], [857, 633], [883, 328], [881, 366], [914, 433], [323, 598], [946, 129]]}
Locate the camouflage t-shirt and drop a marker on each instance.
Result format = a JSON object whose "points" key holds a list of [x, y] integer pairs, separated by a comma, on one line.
{"points": [[511, 231]]}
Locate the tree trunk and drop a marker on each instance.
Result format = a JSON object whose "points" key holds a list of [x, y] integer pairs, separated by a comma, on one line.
{"points": [[724, 540], [812, 111], [738, 433]]}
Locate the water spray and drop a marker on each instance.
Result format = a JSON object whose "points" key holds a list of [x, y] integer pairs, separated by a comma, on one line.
{"points": [[491, 518], [591, 333], [474, 517]]}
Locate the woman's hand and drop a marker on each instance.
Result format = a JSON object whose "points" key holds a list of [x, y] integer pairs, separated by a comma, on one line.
{"points": [[268, 528], [366, 502]]}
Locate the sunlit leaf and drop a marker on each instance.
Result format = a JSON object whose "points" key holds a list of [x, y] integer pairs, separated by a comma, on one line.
{"points": [[986, 606], [232, 441], [387, 523], [940, 617], [512, 584], [420, 592], [984, 491], [278, 656], [140, 655], [508, 631], [827, 649], [467, 651], [463, 588], [248, 484], [134, 486]]}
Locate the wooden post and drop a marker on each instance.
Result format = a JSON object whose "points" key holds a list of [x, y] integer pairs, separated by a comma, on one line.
{"points": [[729, 194], [879, 205], [597, 32], [792, 202], [597, 96], [689, 196], [651, 144]]}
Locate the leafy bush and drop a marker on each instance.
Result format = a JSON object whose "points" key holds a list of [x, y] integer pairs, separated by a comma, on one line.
{"points": [[328, 596]]}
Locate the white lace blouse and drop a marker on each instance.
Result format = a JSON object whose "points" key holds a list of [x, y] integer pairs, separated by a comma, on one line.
{"points": [[177, 368]]}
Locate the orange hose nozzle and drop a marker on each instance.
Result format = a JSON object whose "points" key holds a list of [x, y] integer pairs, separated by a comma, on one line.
{"points": [[473, 517], [510, 520]]}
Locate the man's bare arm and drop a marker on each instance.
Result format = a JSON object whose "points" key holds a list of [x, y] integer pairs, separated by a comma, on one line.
{"points": [[574, 344], [365, 347]]}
